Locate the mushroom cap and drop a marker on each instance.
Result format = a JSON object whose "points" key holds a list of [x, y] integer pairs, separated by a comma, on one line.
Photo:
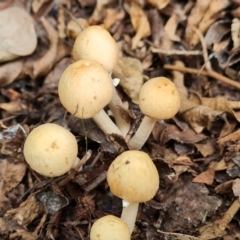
{"points": [[50, 150], [159, 98], [96, 43], [133, 177], [85, 88], [109, 228]]}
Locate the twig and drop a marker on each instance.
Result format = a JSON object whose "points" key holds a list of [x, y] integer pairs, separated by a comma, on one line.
{"points": [[204, 49], [211, 73], [175, 52], [228, 216]]}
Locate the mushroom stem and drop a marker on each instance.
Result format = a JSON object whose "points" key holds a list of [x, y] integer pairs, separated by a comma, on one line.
{"points": [[129, 215], [106, 124], [115, 106], [142, 133]]}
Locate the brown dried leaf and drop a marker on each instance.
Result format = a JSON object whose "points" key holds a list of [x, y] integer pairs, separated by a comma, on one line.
{"points": [[17, 34], [37, 4], [195, 17], [130, 72], [206, 177], [217, 31], [192, 199], [235, 29], [140, 23], [75, 26], [13, 106], [236, 187], [164, 132], [26, 212], [52, 79], [99, 12], [159, 4], [11, 174], [112, 16], [207, 147], [210, 16], [198, 116], [211, 231], [9, 225], [40, 67]]}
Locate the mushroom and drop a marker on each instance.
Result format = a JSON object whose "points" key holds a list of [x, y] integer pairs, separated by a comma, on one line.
{"points": [[50, 150], [133, 177], [109, 228], [158, 100], [96, 43], [84, 89]]}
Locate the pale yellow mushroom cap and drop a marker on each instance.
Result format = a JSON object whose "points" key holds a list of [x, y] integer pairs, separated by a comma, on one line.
{"points": [[159, 98], [133, 177], [85, 88], [50, 150], [109, 228], [96, 43]]}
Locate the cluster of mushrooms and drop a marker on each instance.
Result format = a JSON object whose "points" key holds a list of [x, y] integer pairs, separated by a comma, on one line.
{"points": [[85, 88]]}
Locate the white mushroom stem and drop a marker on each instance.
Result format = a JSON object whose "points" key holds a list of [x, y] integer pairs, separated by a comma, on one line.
{"points": [[142, 133], [129, 215], [106, 124], [115, 106]]}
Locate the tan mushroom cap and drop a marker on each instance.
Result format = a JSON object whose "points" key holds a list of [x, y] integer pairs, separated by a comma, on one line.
{"points": [[50, 150], [159, 98], [133, 177], [109, 228], [96, 43], [85, 88]]}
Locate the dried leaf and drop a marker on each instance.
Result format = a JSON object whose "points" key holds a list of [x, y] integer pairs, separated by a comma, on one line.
{"points": [[99, 12], [235, 29], [177, 236], [159, 4], [17, 34], [112, 16], [236, 187], [75, 26], [11, 174], [210, 16], [206, 177], [211, 231], [195, 17], [26, 212], [198, 116], [130, 72], [140, 23], [37, 4]]}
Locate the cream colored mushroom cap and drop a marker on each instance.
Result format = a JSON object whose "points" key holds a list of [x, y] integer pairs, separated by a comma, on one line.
{"points": [[109, 228], [96, 43], [85, 88], [159, 98], [50, 150], [133, 177]]}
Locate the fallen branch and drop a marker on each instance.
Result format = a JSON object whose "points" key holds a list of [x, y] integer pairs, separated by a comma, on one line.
{"points": [[210, 73]]}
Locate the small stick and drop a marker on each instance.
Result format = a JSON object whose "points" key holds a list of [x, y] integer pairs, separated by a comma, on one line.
{"points": [[211, 73], [228, 216], [175, 52], [204, 49]]}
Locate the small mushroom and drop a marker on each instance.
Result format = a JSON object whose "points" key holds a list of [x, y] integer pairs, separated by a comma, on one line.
{"points": [[158, 100], [84, 89], [96, 43], [133, 177], [50, 150], [109, 228]]}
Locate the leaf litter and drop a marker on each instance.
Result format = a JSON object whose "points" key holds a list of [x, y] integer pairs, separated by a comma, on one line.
{"points": [[196, 44]]}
